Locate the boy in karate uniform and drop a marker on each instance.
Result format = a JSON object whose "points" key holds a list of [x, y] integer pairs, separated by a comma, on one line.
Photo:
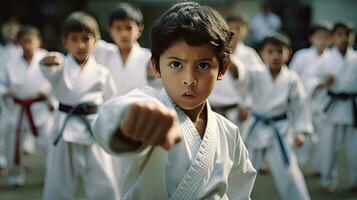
{"points": [[27, 110], [126, 60], [280, 108], [305, 62], [337, 73], [209, 161], [80, 85]]}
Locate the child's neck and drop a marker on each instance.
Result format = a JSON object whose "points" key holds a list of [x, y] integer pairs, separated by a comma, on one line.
{"points": [[320, 51], [81, 63], [343, 51], [28, 58], [274, 72], [124, 53], [199, 118]]}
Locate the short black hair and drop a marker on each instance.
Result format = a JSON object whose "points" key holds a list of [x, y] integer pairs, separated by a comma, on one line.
{"points": [[28, 29], [320, 26], [277, 39], [195, 23], [345, 25], [124, 11], [81, 21]]}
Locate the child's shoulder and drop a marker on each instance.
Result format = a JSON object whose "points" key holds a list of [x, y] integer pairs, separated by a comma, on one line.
{"points": [[105, 46], [293, 76], [225, 125]]}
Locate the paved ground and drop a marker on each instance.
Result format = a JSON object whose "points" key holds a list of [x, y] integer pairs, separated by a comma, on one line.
{"points": [[263, 189]]}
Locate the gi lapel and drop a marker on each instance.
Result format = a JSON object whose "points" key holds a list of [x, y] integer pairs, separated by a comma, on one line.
{"points": [[199, 171]]}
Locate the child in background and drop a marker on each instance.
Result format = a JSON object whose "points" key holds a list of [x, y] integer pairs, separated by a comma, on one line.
{"points": [[80, 85], [337, 73], [203, 155], [27, 110], [279, 115], [126, 60], [305, 62]]}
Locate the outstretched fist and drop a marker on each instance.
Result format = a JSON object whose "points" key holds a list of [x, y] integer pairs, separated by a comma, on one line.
{"points": [[52, 59], [152, 124]]}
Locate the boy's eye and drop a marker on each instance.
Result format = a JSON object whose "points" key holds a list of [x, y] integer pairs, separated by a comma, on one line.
{"points": [[175, 65], [203, 66]]}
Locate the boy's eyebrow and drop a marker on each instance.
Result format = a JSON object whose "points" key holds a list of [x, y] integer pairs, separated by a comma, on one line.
{"points": [[183, 60]]}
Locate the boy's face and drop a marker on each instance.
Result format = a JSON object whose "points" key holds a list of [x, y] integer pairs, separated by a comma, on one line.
{"points": [[125, 32], [80, 44], [320, 39], [341, 38], [29, 43], [189, 73], [272, 55]]}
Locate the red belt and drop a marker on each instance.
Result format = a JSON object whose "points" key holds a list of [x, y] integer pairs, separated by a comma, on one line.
{"points": [[25, 110]]}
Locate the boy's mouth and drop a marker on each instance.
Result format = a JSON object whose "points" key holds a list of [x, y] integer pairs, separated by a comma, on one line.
{"points": [[188, 94]]}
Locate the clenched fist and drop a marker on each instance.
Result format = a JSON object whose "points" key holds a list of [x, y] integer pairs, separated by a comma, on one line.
{"points": [[150, 123], [52, 59]]}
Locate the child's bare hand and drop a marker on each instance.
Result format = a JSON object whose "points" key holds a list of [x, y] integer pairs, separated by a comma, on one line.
{"points": [[52, 59], [327, 83], [151, 124], [243, 114], [299, 140], [11, 95]]}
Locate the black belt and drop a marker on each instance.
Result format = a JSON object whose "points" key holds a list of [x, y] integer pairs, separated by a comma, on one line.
{"points": [[80, 110], [344, 97]]}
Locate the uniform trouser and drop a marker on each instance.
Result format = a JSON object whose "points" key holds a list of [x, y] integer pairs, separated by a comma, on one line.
{"points": [[334, 136], [16, 173], [67, 162], [312, 142], [288, 179]]}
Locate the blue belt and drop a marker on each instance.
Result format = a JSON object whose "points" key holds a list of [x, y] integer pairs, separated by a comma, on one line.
{"points": [[80, 111], [345, 97], [270, 121]]}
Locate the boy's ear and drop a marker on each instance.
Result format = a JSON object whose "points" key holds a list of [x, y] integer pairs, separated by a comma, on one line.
{"points": [[141, 29], [155, 67], [223, 70]]}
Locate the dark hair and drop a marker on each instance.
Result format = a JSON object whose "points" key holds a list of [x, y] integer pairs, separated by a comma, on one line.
{"points": [[124, 11], [237, 18], [81, 21], [277, 39], [318, 27], [197, 24], [345, 25], [28, 29]]}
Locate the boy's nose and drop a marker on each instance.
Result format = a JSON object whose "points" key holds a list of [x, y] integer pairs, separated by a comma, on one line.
{"points": [[189, 80], [81, 45]]}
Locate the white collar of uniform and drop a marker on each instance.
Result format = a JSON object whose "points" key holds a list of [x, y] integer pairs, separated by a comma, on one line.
{"points": [[337, 52], [71, 63], [203, 152], [37, 56]]}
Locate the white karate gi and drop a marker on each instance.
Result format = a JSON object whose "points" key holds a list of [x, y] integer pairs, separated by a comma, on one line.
{"points": [[77, 154], [305, 62], [25, 81], [128, 76], [339, 116], [8, 52], [273, 98], [215, 167]]}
